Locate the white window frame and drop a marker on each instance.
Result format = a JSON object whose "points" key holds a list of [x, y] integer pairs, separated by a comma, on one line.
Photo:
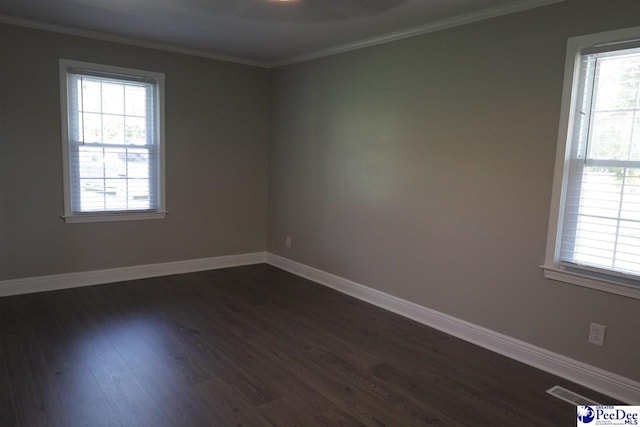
{"points": [[553, 269], [69, 215]]}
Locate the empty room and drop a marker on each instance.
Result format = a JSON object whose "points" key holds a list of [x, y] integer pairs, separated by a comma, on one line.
{"points": [[319, 212]]}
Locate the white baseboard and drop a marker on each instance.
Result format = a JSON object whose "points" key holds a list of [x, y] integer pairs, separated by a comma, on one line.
{"points": [[616, 386], [99, 277], [608, 383]]}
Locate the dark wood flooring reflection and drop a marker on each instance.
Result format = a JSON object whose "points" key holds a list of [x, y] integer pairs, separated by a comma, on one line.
{"points": [[250, 346]]}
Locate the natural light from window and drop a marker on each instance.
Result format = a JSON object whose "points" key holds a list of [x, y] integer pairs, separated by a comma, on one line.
{"points": [[112, 144], [602, 218]]}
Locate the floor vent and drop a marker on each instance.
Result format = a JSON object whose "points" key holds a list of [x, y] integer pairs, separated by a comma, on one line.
{"points": [[571, 397]]}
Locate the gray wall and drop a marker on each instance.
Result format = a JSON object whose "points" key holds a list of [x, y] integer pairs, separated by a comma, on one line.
{"points": [[423, 168], [217, 130]]}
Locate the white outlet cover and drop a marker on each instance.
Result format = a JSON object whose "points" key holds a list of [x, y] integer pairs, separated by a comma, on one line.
{"points": [[597, 333]]}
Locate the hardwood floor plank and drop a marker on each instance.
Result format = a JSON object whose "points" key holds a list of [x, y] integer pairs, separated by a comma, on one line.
{"points": [[8, 414], [337, 418], [282, 413], [81, 398], [443, 397], [335, 387], [413, 406], [339, 320], [202, 332], [248, 346], [179, 400], [295, 388], [304, 335], [249, 355], [36, 395], [234, 410], [128, 402]]}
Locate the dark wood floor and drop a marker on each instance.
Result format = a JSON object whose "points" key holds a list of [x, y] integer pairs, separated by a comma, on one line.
{"points": [[250, 346]]}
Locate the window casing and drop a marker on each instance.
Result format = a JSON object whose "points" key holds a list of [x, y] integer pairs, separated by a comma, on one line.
{"points": [[594, 226], [113, 142]]}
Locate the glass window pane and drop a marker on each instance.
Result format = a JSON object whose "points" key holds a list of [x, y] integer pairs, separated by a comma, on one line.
{"points": [[92, 128], [89, 95], [136, 101], [136, 130], [617, 82], [91, 162], [115, 165], [116, 194], [630, 208], [628, 255], [112, 98], [594, 244], [635, 143], [92, 194], [111, 166], [601, 191], [138, 163], [629, 233], [600, 209], [113, 129], [611, 136], [139, 194]]}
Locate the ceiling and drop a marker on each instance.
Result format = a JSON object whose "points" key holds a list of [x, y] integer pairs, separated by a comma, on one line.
{"points": [[262, 32]]}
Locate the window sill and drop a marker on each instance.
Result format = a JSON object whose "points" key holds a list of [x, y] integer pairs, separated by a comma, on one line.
{"points": [[113, 216], [588, 281]]}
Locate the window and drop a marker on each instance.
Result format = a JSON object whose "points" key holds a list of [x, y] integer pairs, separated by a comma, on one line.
{"points": [[112, 132], [594, 235]]}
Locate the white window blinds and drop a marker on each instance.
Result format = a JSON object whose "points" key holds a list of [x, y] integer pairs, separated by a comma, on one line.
{"points": [[113, 142], [601, 224], [112, 145]]}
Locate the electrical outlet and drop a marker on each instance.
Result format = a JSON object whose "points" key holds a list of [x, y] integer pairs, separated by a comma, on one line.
{"points": [[596, 334], [287, 241]]}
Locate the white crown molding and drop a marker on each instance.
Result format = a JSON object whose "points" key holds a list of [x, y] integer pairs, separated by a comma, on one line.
{"points": [[431, 27], [99, 277], [616, 386], [456, 21], [62, 29]]}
